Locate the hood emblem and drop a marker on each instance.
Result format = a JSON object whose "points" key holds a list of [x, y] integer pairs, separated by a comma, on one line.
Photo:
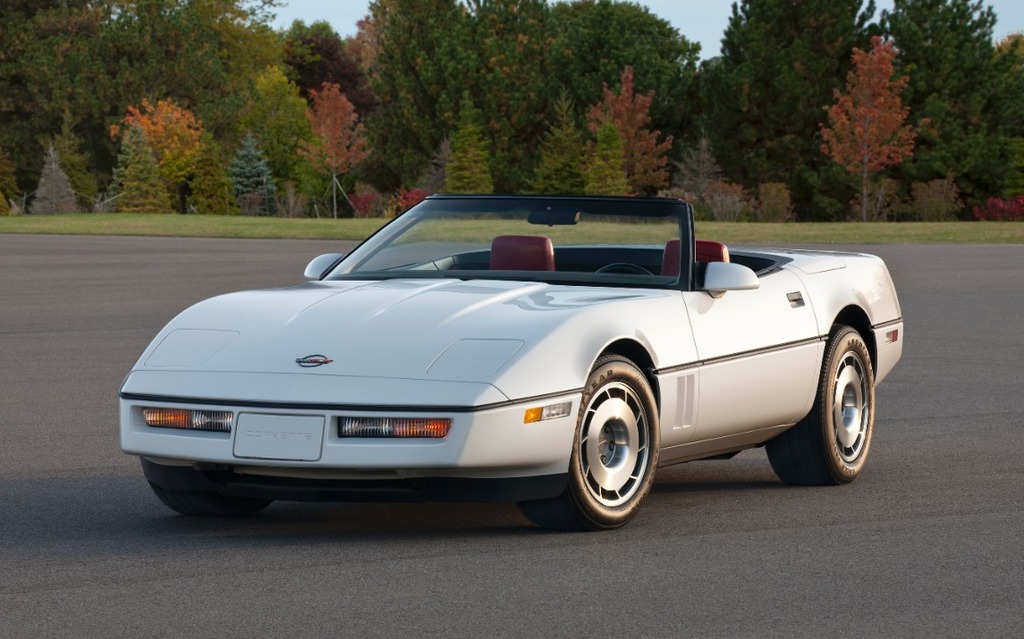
{"points": [[312, 361]]}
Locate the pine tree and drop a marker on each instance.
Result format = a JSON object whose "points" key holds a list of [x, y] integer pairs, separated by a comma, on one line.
{"points": [[76, 165], [212, 191], [605, 175], [137, 180], [469, 165], [561, 153], [252, 179], [54, 194], [957, 93], [8, 183], [1013, 185]]}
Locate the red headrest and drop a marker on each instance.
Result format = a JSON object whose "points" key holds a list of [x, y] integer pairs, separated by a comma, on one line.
{"points": [[522, 253], [705, 251]]}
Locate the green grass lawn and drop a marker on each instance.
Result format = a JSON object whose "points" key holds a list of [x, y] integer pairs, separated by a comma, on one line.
{"points": [[357, 229]]}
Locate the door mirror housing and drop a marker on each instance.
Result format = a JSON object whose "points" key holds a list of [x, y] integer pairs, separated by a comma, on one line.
{"points": [[319, 266], [721, 277]]}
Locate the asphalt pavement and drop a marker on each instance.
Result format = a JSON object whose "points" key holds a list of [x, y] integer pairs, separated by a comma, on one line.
{"points": [[928, 542]]}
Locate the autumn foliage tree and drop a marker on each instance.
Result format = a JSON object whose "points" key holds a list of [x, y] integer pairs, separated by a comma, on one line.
{"points": [[646, 159], [173, 134], [867, 130], [339, 140]]}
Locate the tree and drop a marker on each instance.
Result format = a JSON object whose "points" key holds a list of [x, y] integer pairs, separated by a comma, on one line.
{"points": [[5, 208], [956, 94], [562, 152], [698, 170], [763, 97], [173, 134], [339, 142], [277, 119], [595, 40], [137, 182], [468, 166], [252, 179], [54, 194], [8, 184], [75, 165], [867, 130], [315, 55], [645, 158], [212, 190], [424, 57], [605, 175]]}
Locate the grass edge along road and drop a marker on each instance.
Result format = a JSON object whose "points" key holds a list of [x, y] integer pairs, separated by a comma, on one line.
{"points": [[357, 229]]}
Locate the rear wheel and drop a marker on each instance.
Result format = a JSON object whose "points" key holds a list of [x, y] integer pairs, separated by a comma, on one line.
{"points": [[615, 452], [208, 504], [831, 444]]}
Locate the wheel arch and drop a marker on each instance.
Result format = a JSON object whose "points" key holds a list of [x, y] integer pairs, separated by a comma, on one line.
{"points": [[856, 318], [635, 352]]}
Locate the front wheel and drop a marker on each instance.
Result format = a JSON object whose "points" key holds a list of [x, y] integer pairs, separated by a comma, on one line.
{"points": [[831, 444], [208, 504], [614, 454]]}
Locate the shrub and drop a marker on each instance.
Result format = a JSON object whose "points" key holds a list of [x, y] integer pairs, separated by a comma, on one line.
{"points": [[5, 208], [774, 203], [728, 202], [362, 203], [411, 198], [934, 201], [1000, 210]]}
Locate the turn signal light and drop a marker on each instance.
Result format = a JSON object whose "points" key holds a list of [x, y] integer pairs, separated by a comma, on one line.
{"points": [[430, 427], [542, 413], [218, 421]]}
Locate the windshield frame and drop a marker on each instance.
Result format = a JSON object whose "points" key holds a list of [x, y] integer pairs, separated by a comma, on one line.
{"points": [[441, 206]]}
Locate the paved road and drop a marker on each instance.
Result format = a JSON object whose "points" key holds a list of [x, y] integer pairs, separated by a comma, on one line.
{"points": [[928, 542]]}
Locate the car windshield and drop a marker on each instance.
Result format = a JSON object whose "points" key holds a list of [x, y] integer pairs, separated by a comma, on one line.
{"points": [[597, 241]]}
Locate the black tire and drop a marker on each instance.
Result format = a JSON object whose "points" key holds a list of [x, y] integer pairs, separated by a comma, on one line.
{"points": [[831, 444], [614, 453], [206, 504]]}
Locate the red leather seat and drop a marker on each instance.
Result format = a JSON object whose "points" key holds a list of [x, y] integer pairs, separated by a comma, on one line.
{"points": [[522, 253], [706, 251]]}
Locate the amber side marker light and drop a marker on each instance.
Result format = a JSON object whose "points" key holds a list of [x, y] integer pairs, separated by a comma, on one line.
{"points": [[217, 421], [427, 427], [542, 413]]}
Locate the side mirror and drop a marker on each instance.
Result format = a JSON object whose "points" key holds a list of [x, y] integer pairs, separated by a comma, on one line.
{"points": [[319, 266], [728, 276]]}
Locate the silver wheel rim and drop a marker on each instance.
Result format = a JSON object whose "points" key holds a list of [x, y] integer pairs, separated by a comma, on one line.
{"points": [[614, 444], [851, 412]]}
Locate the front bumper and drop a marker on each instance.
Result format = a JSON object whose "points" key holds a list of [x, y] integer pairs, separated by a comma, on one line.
{"points": [[490, 443]]}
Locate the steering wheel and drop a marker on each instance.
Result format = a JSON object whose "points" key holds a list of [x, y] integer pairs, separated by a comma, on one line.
{"points": [[624, 267]]}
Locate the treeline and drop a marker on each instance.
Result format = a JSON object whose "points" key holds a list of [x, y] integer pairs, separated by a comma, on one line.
{"points": [[200, 106]]}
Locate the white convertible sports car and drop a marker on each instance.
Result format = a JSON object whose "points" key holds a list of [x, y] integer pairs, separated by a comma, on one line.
{"points": [[551, 351]]}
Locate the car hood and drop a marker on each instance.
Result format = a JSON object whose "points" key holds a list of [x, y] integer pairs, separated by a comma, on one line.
{"points": [[438, 330]]}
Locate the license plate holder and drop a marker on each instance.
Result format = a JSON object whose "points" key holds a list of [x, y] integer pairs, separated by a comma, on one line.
{"points": [[283, 437]]}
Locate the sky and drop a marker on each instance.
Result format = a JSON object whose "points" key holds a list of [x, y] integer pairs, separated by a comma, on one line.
{"points": [[701, 21]]}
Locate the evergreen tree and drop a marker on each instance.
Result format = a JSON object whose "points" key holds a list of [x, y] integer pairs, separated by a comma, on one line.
{"points": [[469, 165], [5, 208], [76, 165], [137, 180], [1013, 185], [54, 194], [253, 180], [212, 190], [606, 175], [561, 153], [956, 92], [764, 96], [8, 183]]}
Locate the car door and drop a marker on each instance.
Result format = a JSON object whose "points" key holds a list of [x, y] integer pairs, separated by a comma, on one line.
{"points": [[759, 355]]}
